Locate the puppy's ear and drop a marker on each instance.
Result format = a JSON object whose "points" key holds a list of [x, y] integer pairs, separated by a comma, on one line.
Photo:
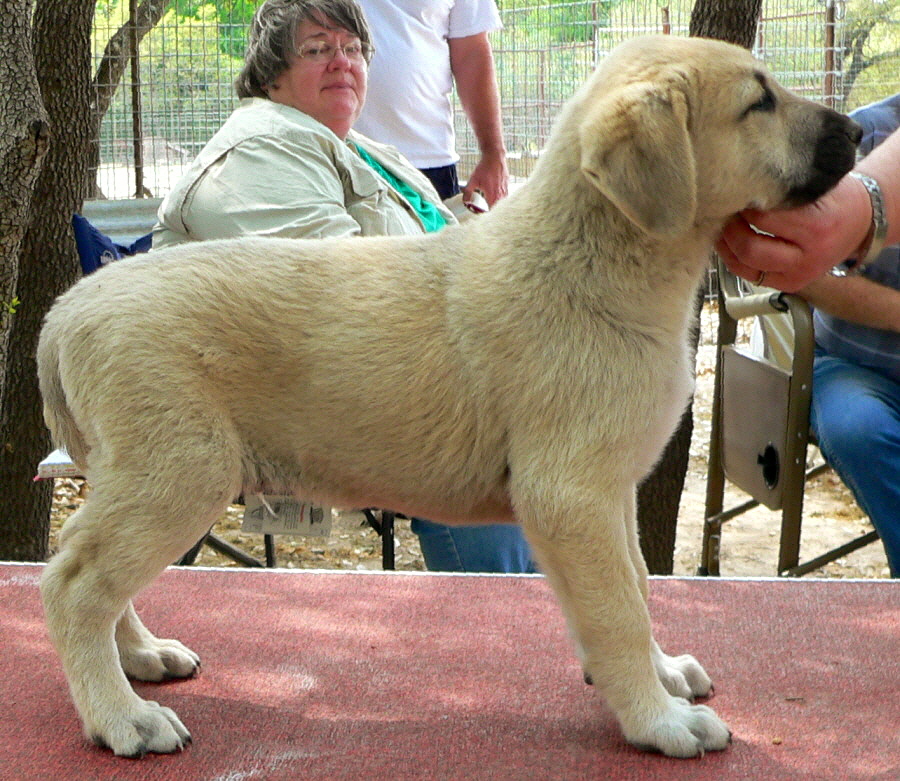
{"points": [[635, 148]]}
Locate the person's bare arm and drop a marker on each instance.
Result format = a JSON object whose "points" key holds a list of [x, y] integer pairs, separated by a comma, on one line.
{"points": [[857, 300], [472, 64]]}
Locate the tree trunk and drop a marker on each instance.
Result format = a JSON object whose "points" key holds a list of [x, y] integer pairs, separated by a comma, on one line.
{"points": [[734, 21], [659, 495], [23, 144], [48, 263]]}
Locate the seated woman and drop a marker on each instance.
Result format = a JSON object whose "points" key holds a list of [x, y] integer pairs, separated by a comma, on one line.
{"points": [[288, 163]]}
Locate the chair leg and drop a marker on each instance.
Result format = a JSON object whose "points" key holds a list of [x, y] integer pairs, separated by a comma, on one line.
{"points": [[726, 331], [387, 539], [791, 521], [712, 516], [384, 526], [715, 490], [832, 555], [191, 556], [234, 553], [269, 544]]}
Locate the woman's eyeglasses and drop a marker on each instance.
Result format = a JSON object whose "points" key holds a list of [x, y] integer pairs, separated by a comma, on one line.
{"points": [[321, 53]]}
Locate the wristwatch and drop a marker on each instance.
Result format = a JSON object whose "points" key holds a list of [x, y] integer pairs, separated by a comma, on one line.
{"points": [[874, 242]]}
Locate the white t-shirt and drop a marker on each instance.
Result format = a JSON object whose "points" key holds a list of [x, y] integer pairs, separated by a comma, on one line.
{"points": [[408, 103]]}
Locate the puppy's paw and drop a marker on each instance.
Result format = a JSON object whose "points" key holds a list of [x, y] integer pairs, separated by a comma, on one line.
{"points": [[682, 676], [147, 728], [682, 730], [159, 660]]}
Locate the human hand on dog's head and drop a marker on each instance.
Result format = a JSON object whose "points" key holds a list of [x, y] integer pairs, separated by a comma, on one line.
{"points": [[788, 248]]}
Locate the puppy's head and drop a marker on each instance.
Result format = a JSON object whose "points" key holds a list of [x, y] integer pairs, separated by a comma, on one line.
{"points": [[678, 132]]}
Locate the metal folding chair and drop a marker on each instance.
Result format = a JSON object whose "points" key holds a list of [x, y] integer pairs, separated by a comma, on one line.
{"points": [[760, 422]]}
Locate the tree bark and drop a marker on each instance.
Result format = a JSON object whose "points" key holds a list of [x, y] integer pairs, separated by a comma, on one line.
{"points": [[659, 496], [734, 21], [48, 263], [23, 144]]}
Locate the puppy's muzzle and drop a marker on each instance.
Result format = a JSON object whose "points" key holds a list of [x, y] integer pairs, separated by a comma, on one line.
{"points": [[833, 156]]}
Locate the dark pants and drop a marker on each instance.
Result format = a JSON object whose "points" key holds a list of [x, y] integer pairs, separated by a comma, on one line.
{"points": [[444, 179]]}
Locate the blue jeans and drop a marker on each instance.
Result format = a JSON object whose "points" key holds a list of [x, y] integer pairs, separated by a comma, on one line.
{"points": [[499, 547], [856, 416]]}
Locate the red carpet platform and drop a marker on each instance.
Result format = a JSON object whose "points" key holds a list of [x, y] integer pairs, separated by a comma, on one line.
{"points": [[408, 676]]}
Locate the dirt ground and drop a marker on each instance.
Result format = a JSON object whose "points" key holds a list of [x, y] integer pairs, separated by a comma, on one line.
{"points": [[749, 543]]}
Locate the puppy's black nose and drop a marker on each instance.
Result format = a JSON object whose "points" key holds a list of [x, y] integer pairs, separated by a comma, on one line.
{"points": [[841, 125]]}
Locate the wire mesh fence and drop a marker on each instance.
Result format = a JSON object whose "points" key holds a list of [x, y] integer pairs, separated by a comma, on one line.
{"points": [[178, 91]]}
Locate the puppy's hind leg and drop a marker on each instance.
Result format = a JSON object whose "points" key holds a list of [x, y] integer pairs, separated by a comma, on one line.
{"points": [[581, 542], [124, 535]]}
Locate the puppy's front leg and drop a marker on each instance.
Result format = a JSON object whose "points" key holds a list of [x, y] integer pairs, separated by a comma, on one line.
{"points": [[145, 657], [682, 676], [584, 551]]}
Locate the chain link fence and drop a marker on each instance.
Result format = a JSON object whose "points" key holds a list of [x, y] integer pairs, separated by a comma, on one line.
{"points": [[176, 93]]}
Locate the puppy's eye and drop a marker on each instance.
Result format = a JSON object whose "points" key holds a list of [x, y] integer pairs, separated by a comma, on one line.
{"points": [[765, 103]]}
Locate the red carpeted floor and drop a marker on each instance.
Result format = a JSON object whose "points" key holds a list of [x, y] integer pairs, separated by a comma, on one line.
{"points": [[408, 676]]}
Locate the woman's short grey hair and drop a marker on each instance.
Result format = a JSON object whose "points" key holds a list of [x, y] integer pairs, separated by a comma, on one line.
{"points": [[273, 31]]}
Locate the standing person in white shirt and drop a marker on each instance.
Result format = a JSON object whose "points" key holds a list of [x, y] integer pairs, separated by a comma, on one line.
{"points": [[424, 47]]}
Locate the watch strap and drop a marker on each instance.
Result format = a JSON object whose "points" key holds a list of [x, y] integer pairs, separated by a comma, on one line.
{"points": [[878, 232]]}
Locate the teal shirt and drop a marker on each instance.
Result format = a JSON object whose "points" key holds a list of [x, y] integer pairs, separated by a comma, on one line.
{"points": [[431, 218]]}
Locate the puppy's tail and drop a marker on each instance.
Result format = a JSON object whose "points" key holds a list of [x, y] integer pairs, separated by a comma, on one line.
{"points": [[57, 414]]}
